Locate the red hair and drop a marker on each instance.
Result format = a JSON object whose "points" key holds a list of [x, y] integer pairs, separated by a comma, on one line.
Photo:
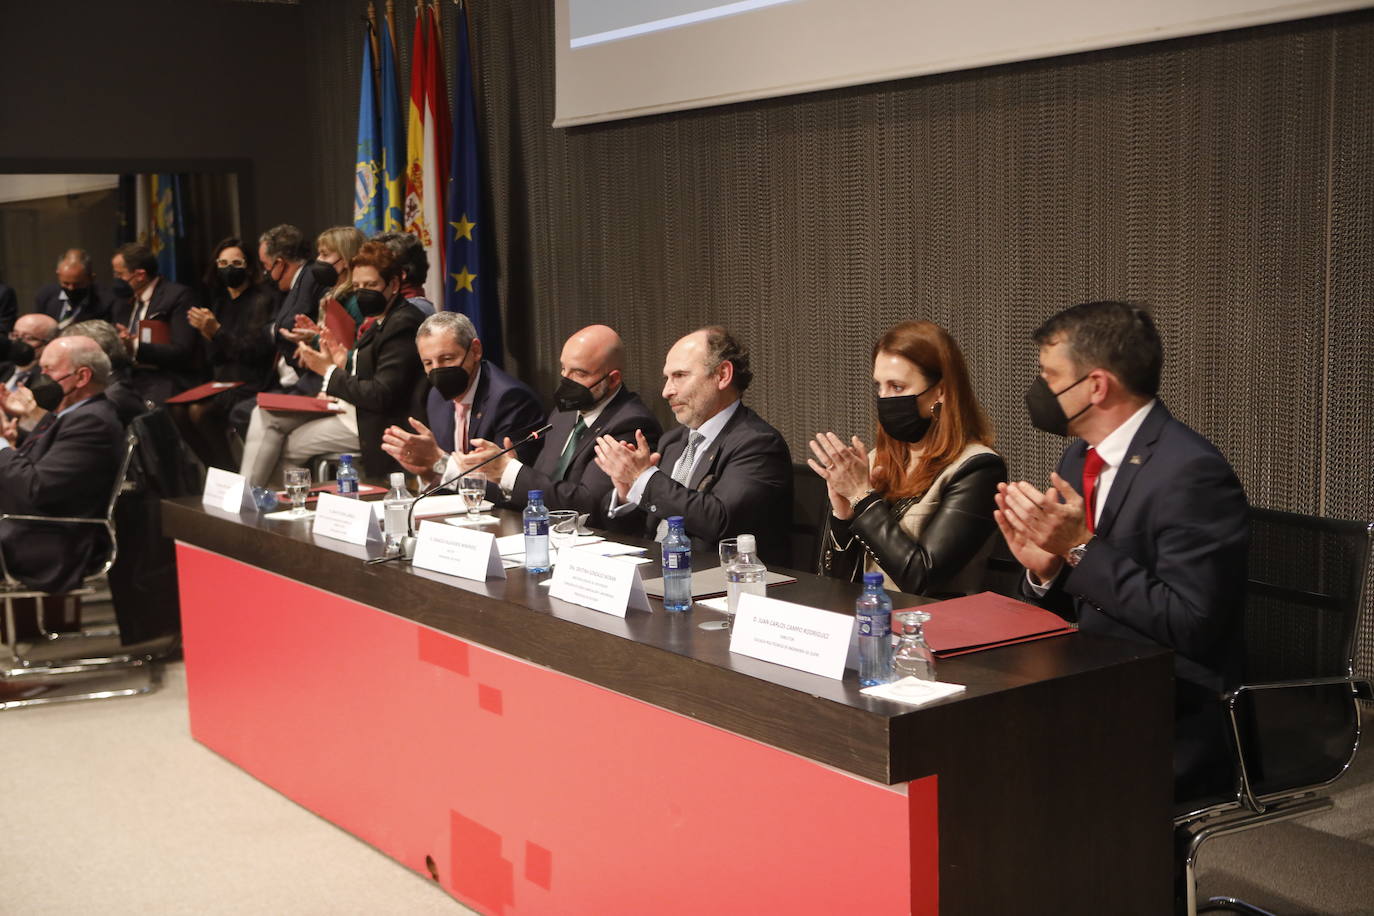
{"points": [[958, 418]]}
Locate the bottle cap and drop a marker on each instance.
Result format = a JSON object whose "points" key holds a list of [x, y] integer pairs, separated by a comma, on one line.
{"points": [[745, 543], [398, 479], [873, 578], [345, 459], [674, 521], [536, 494]]}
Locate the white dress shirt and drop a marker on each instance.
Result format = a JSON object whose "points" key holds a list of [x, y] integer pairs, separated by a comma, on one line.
{"points": [[512, 471], [710, 431]]}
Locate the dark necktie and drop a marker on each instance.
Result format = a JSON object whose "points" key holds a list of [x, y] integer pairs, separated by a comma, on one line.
{"points": [[565, 460], [1092, 467]]}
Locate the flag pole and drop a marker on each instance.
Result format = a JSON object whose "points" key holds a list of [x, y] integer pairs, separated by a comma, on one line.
{"points": [[376, 55]]}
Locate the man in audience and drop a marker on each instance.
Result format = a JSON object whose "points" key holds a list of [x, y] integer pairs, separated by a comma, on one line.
{"points": [[724, 470], [410, 254], [592, 401], [469, 399], [285, 252], [9, 308], [1142, 534], [35, 330], [74, 297], [150, 315], [119, 390], [65, 466]]}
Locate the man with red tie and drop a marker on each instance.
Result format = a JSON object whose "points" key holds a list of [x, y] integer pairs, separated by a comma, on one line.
{"points": [[1143, 533]]}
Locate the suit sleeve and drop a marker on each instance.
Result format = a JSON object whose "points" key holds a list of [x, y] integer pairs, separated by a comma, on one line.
{"points": [[9, 308], [180, 352], [518, 414], [747, 492], [394, 373], [588, 491], [1200, 530], [74, 462]]}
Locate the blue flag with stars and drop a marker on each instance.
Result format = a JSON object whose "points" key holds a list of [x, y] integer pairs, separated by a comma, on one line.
{"points": [[469, 288]]}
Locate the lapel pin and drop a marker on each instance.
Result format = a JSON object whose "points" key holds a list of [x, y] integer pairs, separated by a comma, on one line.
{"points": [[1135, 459]]}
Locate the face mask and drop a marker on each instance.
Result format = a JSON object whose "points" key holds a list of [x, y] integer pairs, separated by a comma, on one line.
{"points": [[371, 302], [1046, 413], [449, 381], [121, 288], [75, 296], [233, 277], [571, 395], [47, 392], [901, 418], [20, 353], [325, 274]]}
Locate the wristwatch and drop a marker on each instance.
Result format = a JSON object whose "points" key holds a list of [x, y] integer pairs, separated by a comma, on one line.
{"points": [[440, 466], [1075, 554]]}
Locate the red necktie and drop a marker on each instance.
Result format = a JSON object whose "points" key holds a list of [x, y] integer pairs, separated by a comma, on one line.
{"points": [[1092, 467]]}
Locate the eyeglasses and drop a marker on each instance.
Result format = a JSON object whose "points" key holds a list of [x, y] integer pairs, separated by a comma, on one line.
{"points": [[237, 262]]}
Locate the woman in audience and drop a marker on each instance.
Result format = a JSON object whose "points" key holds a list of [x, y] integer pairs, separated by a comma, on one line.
{"points": [[378, 383], [918, 507], [334, 249], [237, 334]]}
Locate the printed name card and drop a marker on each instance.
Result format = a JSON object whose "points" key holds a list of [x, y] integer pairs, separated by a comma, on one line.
{"points": [[460, 552], [227, 491], [603, 584], [345, 519], [791, 634]]}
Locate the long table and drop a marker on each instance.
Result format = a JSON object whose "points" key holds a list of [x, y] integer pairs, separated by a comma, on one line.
{"points": [[532, 756]]}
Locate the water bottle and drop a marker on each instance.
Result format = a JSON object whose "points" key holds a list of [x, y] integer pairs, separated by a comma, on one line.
{"points": [[396, 512], [347, 477], [677, 567], [873, 613], [746, 574], [536, 534]]}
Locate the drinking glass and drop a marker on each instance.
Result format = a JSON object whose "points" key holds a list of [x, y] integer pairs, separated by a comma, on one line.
{"points": [[297, 482], [913, 657], [562, 528], [729, 550], [473, 490]]}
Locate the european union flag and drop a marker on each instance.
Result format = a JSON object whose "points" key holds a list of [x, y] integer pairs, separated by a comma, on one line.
{"points": [[367, 191], [393, 138], [469, 288]]}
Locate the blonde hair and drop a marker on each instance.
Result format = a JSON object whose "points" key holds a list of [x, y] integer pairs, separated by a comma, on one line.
{"points": [[345, 242]]}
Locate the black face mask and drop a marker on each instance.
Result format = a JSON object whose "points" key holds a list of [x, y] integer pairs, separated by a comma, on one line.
{"points": [[75, 296], [449, 381], [370, 302], [47, 392], [324, 274], [121, 288], [901, 417], [233, 277], [572, 395], [1046, 413]]}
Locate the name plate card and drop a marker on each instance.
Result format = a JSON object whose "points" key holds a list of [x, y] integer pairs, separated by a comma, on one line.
{"points": [[603, 584], [790, 634], [227, 491], [460, 552], [345, 519]]}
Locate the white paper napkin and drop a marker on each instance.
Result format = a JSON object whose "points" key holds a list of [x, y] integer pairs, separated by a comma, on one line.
{"points": [[913, 691]]}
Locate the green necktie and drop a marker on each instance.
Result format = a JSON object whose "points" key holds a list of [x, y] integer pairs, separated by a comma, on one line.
{"points": [[570, 449]]}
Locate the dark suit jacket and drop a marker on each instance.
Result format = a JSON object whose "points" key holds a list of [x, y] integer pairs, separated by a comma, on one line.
{"points": [[741, 485], [7, 371], [301, 299], [162, 370], [585, 487], [9, 308], [502, 406], [387, 384], [66, 466], [96, 307], [1166, 567]]}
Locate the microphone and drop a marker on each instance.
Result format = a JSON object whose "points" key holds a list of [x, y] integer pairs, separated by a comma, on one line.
{"points": [[428, 491]]}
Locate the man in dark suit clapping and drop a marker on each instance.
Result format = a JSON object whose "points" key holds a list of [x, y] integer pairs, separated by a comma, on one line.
{"points": [[724, 470], [150, 315]]}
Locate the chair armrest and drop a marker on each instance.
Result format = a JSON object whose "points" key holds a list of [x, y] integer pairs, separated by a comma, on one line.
{"points": [[1230, 696], [6, 517]]}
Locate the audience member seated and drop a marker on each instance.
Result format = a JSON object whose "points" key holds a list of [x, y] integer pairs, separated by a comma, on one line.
{"points": [[414, 267], [337, 247], [724, 470], [592, 401], [239, 348], [379, 382], [119, 390], [74, 297], [166, 360], [9, 308], [469, 399], [918, 508], [35, 330], [65, 466], [1143, 531], [283, 254]]}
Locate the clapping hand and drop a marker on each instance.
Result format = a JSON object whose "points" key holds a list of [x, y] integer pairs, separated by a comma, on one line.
{"points": [[204, 321], [417, 452], [481, 450], [624, 462], [1040, 527], [845, 470]]}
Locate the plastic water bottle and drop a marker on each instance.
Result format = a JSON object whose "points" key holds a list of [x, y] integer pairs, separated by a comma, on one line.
{"points": [[395, 510], [746, 574], [677, 567], [873, 612], [536, 534], [347, 477]]}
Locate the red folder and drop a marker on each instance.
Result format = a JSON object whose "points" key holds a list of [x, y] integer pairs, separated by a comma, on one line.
{"points": [[986, 621], [297, 403], [201, 392], [154, 331], [340, 323]]}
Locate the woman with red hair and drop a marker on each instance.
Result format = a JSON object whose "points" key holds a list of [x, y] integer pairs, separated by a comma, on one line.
{"points": [[918, 507]]}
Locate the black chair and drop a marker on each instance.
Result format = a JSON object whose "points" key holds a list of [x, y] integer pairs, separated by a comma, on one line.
{"points": [[810, 506], [1295, 723]]}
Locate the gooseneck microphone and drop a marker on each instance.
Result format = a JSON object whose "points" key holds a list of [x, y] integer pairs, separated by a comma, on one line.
{"points": [[410, 516]]}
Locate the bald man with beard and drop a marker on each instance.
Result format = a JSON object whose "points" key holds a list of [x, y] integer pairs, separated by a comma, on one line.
{"points": [[592, 401]]}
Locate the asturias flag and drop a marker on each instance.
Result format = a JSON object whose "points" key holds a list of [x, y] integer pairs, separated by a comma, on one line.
{"points": [[368, 198]]}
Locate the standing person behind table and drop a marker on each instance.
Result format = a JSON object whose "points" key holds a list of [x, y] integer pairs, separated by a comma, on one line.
{"points": [[237, 347], [918, 508], [724, 470], [1142, 533], [74, 297], [160, 369], [379, 381]]}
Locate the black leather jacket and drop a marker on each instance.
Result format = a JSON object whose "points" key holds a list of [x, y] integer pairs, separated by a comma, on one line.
{"points": [[958, 529]]}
